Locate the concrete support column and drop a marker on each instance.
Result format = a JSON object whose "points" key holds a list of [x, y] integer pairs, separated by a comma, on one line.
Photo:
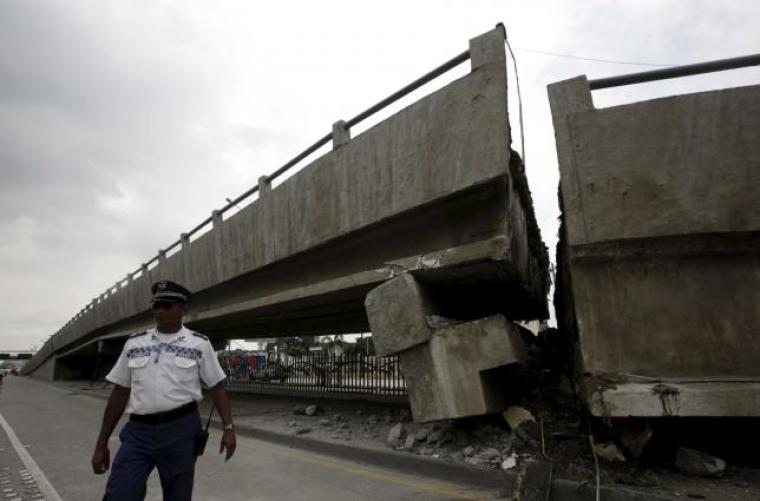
{"points": [[488, 48], [130, 278], [161, 257], [340, 134], [265, 186]]}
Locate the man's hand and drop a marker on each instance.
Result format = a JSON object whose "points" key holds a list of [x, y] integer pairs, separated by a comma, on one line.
{"points": [[101, 459], [228, 442], [222, 403]]}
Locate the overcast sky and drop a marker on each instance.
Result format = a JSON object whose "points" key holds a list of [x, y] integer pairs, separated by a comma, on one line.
{"points": [[124, 124]]}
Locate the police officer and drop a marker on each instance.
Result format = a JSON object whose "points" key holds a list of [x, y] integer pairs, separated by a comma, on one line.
{"points": [[157, 378]]}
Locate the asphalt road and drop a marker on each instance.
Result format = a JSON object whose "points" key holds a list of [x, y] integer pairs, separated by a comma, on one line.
{"points": [[55, 430]]}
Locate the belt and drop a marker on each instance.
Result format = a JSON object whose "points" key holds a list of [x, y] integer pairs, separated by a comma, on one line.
{"points": [[166, 416]]}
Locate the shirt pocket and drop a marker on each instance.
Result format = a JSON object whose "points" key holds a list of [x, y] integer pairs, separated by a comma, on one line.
{"points": [[187, 369], [138, 367]]}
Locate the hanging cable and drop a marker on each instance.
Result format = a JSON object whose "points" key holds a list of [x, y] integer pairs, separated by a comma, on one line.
{"points": [[519, 96], [596, 462]]}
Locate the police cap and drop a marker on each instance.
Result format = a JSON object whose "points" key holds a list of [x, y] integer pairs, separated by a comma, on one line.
{"points": [[166, 290]]}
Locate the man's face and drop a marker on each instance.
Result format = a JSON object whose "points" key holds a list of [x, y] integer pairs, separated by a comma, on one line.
{"points": [[168, 316]]}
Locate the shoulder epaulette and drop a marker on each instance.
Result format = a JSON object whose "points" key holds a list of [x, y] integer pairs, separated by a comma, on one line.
{"points": [[137, 334], [200, 335]]}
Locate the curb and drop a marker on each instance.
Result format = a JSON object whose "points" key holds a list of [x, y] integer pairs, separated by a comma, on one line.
{"points": [[570, 490]]}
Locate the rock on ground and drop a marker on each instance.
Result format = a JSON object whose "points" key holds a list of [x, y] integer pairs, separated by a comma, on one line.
{"points": [[409, 444], [396, 433], [489, 453], [421, 434], [694, 462]]}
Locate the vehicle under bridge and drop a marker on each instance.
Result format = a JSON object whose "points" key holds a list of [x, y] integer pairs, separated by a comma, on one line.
{"points": [[426, 216]]}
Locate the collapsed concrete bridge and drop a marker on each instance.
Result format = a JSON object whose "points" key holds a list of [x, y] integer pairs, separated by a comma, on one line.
{"points": [[658, 283], [430, 206]]}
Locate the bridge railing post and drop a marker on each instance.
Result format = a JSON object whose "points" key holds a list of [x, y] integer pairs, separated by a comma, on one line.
{"points": [[341, 134], [265, 186], [184, 239], [145, 273], [216, 222]]}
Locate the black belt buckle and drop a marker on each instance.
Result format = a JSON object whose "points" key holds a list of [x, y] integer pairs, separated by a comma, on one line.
{"points": [[200, 442]]}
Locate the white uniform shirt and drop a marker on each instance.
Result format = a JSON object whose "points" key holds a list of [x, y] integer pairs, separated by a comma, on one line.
{"points": [[165, 371]]}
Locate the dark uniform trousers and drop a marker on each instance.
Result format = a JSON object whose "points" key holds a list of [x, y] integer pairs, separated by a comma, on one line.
{"points": [[167, 446]]}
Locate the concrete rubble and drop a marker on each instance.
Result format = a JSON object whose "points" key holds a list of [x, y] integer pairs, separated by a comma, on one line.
{"points": [[444, 362], [538, 439]]}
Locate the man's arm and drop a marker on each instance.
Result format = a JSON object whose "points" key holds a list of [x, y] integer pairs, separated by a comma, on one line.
{"points": [[117, 402], [222, 403]]}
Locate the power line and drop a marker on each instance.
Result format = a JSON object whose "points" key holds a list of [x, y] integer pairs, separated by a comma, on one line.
{"points": [[597, 60]]}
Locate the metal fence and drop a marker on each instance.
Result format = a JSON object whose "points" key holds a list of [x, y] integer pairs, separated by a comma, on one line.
{"points": [[355, 374]]}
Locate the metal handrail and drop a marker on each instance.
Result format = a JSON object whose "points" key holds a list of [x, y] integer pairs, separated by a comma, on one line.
{"points": [[440, 70], [431, 75], [676, 71]]}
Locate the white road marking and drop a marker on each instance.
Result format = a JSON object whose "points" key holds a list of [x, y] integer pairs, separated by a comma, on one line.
{"points": [[31, 465]]}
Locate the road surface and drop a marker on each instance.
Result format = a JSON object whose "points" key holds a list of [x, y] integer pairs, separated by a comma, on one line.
{"points": [[47, 435]]}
